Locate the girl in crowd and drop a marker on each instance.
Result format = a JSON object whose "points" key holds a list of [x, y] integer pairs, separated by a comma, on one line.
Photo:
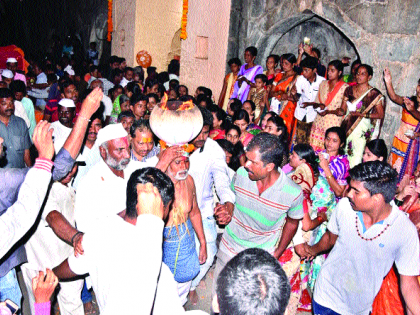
{"points": [[246, 75], [233, 134], [271, 64], [121, 104], [405, 147], [375, 150], [365, 110], [241, 119], [266, 117], [284, 102], [350, 79], [231, 160], [229, 83], [329, 99], [318, 205], [275, 126], [333, 162], [220, 123], [250, 108]]}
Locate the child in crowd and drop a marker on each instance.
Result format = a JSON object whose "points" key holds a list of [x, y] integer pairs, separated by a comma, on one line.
{"points": [[259, 96]]}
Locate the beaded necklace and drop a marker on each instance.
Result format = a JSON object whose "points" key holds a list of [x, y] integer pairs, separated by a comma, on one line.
{"points": [[369, 239]]}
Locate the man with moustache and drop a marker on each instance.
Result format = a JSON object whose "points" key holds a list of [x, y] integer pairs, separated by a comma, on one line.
{"points": [[142, 145], [268, 204], [14, 132], [64, 125], [179, 252], [368, 234], [102, 192]]}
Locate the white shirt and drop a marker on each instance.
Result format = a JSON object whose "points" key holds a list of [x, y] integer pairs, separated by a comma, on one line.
{"points": [[124, 262], [60, 134], [308, 92], [45, 249], [108, 105], [91, 157], [20, 112], [101, 193], [207, 168], [124, 82], [21, 215], [353, 272]]}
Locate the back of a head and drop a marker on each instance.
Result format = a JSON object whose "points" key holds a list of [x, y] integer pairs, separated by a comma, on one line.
{"points": [[148, 175], [253, 283], [377, 177], [207, 116], [270, 148], [309, 62]]}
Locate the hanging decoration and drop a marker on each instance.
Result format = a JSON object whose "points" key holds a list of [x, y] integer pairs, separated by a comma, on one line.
{"points": [[183, 34], [110, 26]]}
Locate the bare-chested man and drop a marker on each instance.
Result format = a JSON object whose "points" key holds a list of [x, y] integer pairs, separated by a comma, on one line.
{"points": [[179, 252]]}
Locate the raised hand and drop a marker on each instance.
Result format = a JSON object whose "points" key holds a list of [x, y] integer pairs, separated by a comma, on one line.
{"points": [[387, 75], [43, 287], [91, 103], [167, 156], [42, 139]]}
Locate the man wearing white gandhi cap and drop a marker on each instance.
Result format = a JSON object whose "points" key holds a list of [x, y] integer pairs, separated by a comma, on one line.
{"points": [[12, 65], [63, 126], [102, 191]]}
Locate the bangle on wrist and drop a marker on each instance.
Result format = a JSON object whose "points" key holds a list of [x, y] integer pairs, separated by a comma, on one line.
{"points": [[329, 176], [77, 233], [320, 219]]}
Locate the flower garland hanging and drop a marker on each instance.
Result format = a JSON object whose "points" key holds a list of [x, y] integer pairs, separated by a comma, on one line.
{"points": [[110, 26], [184, 20]]}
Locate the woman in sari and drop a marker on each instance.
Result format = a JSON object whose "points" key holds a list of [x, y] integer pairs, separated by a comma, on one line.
{"points": [[283, 102], [229, 83], [405, 147], [318, 204], [365, 109], [246, 75], [333, 163], [241, 119], [329, 99]]}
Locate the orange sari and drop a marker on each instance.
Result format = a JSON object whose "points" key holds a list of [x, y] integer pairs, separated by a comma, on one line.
{"points": [[287, 110]]}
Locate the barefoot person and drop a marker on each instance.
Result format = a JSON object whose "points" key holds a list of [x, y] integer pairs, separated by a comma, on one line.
{"points": [[179, 252]]}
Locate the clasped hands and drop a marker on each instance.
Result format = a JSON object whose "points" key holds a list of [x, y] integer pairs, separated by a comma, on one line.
{"points": [[305, 251], [223, 213]]}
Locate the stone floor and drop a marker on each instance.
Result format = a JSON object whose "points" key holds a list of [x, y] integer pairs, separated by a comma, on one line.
{"points": [[204, 296]]}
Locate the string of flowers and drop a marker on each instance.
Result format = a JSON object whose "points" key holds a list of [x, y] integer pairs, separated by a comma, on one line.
{"points": [[183, 34], [110, 26]]}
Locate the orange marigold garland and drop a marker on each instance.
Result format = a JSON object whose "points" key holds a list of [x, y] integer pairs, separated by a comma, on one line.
{"points": [[188, 147], [110, 26], [184, 20]]}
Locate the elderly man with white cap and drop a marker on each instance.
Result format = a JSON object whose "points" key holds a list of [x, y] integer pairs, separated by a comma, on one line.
{"points": [[102, 192], [12, 65]]}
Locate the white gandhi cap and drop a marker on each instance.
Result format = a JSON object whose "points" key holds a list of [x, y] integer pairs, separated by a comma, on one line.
{"points": [[111, 132], [66, 102]]}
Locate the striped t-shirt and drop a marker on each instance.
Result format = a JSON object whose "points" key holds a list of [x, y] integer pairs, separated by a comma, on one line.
{"points": [[258, 219]]}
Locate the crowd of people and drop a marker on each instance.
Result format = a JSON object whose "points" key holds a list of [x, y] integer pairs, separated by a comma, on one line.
{"points": [[288, 165]]}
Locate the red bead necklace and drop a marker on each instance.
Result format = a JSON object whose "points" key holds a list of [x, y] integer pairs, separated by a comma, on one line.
{"points": [[369, 239]]}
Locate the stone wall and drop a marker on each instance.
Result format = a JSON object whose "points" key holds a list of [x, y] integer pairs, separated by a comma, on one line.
{"points": [[203, 53], [384, 33]]}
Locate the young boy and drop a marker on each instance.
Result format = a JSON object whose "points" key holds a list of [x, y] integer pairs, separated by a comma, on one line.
{"points": [[138, 105], [259, 95], [229, 82]]}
